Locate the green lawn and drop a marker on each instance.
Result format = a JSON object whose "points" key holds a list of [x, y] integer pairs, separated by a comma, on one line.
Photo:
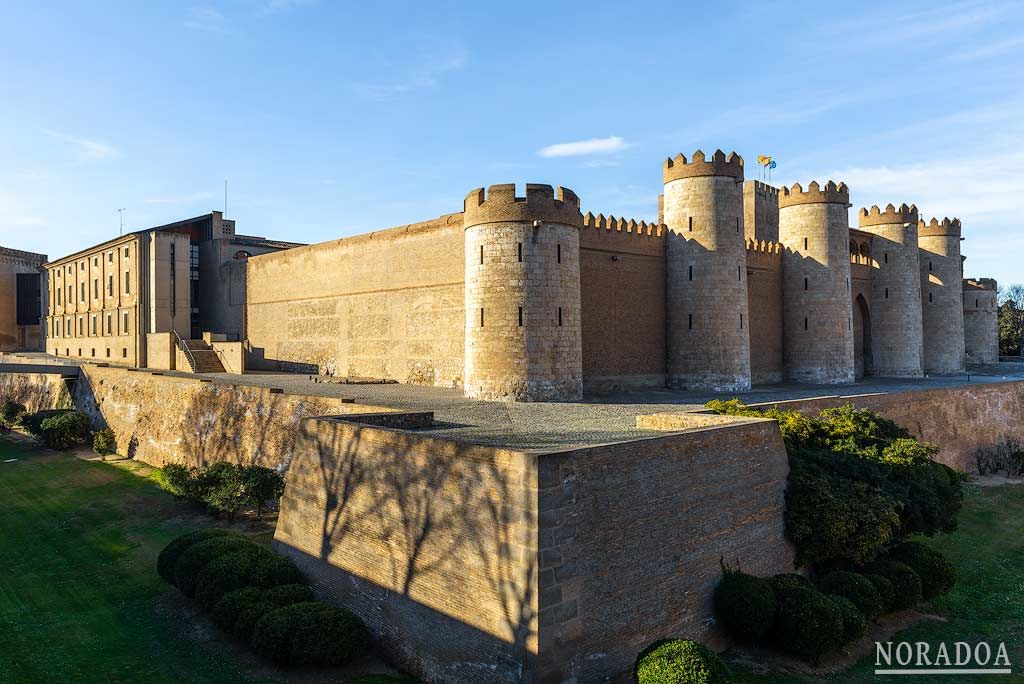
{"points": [[987, 603], [80, 600]]}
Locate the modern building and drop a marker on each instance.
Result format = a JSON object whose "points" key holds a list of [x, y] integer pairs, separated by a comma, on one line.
{"points": [[22, 280], [185, 278]]}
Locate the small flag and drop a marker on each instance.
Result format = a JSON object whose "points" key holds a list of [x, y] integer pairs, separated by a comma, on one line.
{"points": [[771, 164], [763, 160]]}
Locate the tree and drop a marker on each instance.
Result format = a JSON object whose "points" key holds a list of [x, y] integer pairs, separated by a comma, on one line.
{"points": [[261, 485], [1011, 320]]}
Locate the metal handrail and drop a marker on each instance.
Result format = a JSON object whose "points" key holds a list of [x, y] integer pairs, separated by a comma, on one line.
{"points": [[184, 347]]}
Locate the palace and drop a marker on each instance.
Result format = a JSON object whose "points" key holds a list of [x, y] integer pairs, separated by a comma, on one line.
{"points": [[526, 298]]}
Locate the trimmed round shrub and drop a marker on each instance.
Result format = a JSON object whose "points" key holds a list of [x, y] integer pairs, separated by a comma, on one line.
{"points": [[231, 604], [65, 431], [854, 622], [905, 582], [807, 623], [170, 554], [786, 580], [231, 571], [745, 605], [937, 574], [195, 558], [310, 634], [886, 591], [267, 601], [855, 587], [273, 570], [680, 661], [104, 442]]}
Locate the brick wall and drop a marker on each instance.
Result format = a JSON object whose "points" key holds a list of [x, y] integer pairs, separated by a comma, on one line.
{"points": [[764, 301], [387, 304], [622, 288]]}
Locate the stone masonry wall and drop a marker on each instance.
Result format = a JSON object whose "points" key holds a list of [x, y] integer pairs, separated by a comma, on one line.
{"points": [[37, 391], [981, 321], [942, 301], [162, 419], [764, 301], [632, 536], [959, 420], [432, 543], [622, 291], [387, 304]]}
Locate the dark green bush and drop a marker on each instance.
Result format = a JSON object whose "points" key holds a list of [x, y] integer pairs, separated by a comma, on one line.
{"points": [[177, 479], [65, 431], [224, 488], [104, 442], [789, 579], [807, 623], [744, 605], [857, 588], [937, 574], [680, 661], [230, 571], [310, 634], [195, 558], [231, 605], [10, 412], [270, 599], [906, 583], [854, 622], [170, 554], [33, 422], [886, 591], [261, 485], [287, 594], [272, 570]]}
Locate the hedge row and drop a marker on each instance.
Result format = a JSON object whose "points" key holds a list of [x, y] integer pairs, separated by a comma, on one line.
{"points": [[57, 428], [261, 598], [795, 616], [680, 661]]}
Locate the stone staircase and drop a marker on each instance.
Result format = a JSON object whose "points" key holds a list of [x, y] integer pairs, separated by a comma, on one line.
{"points": [[206, 359]]}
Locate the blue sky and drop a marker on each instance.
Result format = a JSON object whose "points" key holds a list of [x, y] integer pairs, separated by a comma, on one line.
{"points": [[331, 119]]}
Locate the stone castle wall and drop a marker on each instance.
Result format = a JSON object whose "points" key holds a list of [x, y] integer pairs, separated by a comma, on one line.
{"points": [[622, 287], [981, 321], [764, 301], [942, 301], [385, 305]]}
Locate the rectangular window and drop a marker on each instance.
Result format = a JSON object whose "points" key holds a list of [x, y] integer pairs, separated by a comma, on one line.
{"points": [[92, 323], [108, 352], [126, 252], [82, 291], [124, 352], [80, 333], [110, 285], [125, 331], [110, 257], [59, 290], [110, 324], [95, 288], [127, 282]]}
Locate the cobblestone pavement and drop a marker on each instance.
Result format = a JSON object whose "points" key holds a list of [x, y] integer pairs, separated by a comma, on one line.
{"points": [[596, 420]]}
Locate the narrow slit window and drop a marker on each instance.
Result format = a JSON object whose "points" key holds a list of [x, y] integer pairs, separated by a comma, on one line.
{"points": [[559, 316], [929, 296], [520, 317], [519, 249], [886, 293], [559, 253], [805, 243], [739, 273], [805, 284], [975, 303], [805, 324], [737, 224], [741, 321], [691, 272], [886, 257], [689, 322], [481, 255], [691, 224], [849, 324], [929, 267], [481, 317]]}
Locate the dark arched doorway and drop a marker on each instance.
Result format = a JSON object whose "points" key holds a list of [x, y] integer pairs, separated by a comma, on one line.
{"points": [[862, 337]]}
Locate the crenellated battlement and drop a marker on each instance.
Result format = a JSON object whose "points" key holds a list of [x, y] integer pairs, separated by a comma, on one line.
{"points": [[935, 228], [499, 204], [621, 225], [891, 214], [762, 189], [720, 164], [987, 284], [764, 255], [815, 194]]}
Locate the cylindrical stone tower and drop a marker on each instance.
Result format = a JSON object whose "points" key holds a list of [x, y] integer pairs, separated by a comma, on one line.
{"points": [[523, 340], [817, 306], [896, 328], [706, 290], [981, 321], [941, 295]]}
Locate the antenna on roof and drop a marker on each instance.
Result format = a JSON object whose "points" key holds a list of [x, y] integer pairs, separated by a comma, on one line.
{"points": [[121, 214]]}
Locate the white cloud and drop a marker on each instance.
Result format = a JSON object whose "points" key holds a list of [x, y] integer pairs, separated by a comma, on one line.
{"points": [[87, 149], [585, 147], [988, 51], [207, 19], [426, 75], [186, 199]]}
